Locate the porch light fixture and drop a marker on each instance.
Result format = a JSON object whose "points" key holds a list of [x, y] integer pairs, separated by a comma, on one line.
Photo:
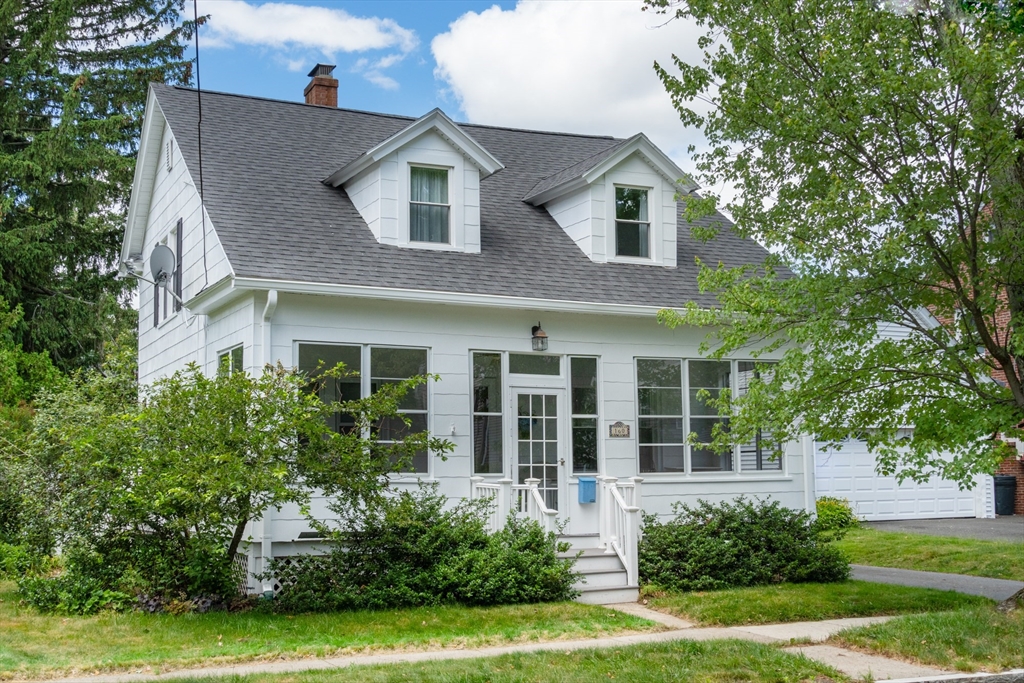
{"points": [[540, 338]]}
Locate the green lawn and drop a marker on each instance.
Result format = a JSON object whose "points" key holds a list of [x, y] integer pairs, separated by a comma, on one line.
{"points": [[34, 645], [995, 559], [806, 602], [968, 639], [722, 661]]}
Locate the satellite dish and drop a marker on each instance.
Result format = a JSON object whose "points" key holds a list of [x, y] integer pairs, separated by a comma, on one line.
{"points": [[161, 264]]}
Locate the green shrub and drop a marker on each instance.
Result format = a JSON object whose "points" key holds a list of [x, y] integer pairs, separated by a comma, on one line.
{"points": [[835, 514], [411, 550], [15, 561], [742, 543], [71, 594]]}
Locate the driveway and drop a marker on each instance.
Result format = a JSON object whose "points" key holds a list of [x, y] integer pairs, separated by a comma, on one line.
{"points": [[1009, 528]]}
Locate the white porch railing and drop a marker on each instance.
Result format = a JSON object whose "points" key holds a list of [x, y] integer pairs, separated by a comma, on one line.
{"points": [[523, 499], [618, 508], [619, 515], [500, 495]]}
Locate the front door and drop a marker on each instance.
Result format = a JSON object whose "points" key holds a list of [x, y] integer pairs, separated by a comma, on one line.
{"points": [[539, 443]]}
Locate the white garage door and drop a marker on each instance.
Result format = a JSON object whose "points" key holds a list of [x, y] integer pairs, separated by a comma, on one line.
{"points": [[850, 473]]}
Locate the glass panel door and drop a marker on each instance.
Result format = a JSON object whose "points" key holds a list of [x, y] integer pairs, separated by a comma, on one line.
{"points": [[539, 443]]}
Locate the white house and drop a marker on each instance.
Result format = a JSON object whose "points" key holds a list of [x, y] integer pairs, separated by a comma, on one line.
{"points": [[402, 246]]}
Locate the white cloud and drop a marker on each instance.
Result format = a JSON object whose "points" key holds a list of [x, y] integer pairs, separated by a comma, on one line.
{"points": [[582, 67], [291, 28]]}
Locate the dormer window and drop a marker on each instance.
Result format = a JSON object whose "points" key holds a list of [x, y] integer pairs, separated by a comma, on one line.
{"points": [[429, 207], [632, 223]]}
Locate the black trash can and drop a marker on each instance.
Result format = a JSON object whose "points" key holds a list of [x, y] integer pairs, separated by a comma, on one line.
{"points": [[1006, 493]]}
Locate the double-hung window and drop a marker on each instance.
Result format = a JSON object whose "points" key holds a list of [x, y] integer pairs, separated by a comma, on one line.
{"points": [[386, 365], [167, 297], [429, 208], [632, 223], [230, 361], [676, 405]]}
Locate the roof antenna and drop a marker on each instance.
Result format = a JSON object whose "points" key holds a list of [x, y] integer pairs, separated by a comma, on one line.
{"points": [[199, 130]]}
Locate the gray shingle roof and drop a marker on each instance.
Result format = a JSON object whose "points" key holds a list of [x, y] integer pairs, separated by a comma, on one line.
{"points": [[263, 166], [573, 172]]}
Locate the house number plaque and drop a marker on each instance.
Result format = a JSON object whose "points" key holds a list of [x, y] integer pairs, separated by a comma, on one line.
{"points": [[619, 430]]}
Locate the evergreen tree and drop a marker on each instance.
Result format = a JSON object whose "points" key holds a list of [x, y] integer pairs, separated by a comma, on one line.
{"points": [[74, 76]]}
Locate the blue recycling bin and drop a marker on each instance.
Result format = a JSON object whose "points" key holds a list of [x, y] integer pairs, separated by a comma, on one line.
{"points": [[588, 489]]}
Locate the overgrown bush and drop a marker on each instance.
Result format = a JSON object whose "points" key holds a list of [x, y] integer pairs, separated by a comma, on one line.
{"points": [[742, 543], [835, 515], [411, 550], [152, 498], [15, 561]]}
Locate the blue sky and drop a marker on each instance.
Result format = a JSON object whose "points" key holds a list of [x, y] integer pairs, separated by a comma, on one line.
{"points": [[570, 65], [263, 70]]}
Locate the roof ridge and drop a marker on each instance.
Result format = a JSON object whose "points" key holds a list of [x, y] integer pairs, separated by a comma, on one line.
{"points": [[300, 104], [392, 116]]}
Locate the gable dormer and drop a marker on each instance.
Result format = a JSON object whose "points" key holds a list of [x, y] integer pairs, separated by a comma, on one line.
{"points": [[420, 188], [619, 205]]}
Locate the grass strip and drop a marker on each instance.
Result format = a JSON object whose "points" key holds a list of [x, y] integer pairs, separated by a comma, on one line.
{"points": [[994, 559], [980, 638], [36, 645], [722, 661], [806, 602]]}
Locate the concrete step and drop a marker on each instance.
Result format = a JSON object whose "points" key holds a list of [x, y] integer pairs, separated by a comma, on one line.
{"points": [[609, 595]]}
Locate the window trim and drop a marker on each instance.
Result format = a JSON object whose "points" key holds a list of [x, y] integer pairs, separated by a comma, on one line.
{"points": [[165, 306], [228, 352], [409, 204], [473, 413], [509, 383], [737, 472], [455, 163], [616, 220], [365, 380], [571, 473]]}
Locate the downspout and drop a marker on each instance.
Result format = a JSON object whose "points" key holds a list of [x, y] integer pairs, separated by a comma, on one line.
{"points": [[807, 444], [266, 522]]}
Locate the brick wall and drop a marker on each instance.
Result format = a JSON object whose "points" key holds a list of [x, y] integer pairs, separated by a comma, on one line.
{"points": [[1015, 467]]}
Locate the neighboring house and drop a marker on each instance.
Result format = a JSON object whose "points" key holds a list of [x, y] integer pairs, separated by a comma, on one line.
{"points": [[403, 246], [849, 472]]}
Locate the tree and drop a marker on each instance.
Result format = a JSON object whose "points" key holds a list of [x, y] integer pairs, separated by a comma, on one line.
{"points": [[74, 77], [155, 496], [22, 376], [878, 153]]}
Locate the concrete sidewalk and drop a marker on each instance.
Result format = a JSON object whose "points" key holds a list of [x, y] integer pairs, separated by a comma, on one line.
{"points": [[996, 589], [854, 664]]}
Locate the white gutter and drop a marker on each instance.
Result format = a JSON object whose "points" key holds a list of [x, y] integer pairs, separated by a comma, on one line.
{"points": [[238, 284]]}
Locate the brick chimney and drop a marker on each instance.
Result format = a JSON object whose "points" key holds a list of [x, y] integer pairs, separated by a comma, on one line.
{"points": [[323, 89]]}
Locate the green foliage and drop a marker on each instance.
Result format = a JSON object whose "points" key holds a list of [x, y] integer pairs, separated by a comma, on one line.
{"points": [[742, 543], [73, 593], [75, 78], [22, 374], [879, 153], [834, 514], [154, 496], [15, 561], [410, 549]]}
